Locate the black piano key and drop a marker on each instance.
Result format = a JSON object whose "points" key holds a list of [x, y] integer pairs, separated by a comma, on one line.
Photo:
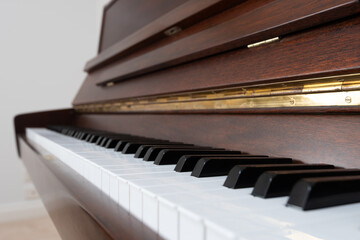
{"points": [[187, 162], [111, 142], [243, 176], [132, 147], [279, 183], [77, 133], [93, 138], [80, 135], [90, 135], [83, 135], [141, 151], [99, 140], [172, 156], [128, 145], [122, 143], [66, 131], [101, 137], [153, 152], [314, 193], [103, 141], [209, 167], [71, 132]]}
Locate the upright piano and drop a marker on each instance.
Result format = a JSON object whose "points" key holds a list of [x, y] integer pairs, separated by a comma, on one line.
{"points": [[211, 119]]}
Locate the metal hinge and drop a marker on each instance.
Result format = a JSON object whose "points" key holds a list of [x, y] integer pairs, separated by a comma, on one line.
{"points": [[263, 42], [173, 30]]}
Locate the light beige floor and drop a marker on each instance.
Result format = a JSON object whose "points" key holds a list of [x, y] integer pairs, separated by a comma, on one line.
{"points": [[31, 229]]}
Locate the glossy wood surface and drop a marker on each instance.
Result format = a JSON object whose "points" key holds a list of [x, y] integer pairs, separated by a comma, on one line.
{"points": [[311, 138], [257, 22], [183, 16], [327, 50], [78, 209], [124, 17]]}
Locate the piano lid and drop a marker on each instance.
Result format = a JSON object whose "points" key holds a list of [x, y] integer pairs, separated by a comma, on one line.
{"points": [[187, 46]]}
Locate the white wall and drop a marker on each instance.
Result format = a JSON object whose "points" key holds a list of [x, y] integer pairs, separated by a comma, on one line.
{"points": [[44, 45]]}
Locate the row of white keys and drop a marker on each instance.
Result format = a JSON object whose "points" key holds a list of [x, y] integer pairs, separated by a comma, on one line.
{"points": [[136, 186], [167, 223], [182, 207]]}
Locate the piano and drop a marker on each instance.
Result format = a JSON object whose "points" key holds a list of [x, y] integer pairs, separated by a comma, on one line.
{"points": [[213, 119]]}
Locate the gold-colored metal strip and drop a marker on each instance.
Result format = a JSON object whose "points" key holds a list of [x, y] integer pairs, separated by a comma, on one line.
{"points": [[341, 90]]}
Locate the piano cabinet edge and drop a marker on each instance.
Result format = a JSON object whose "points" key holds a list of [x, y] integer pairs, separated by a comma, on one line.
{"points": [[78, 209], [42, 119]]}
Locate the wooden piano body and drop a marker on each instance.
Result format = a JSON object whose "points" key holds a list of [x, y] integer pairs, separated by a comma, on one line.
{"points": [[202, 72]]}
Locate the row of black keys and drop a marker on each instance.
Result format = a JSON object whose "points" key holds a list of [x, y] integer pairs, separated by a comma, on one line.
{"points": [[310, 186]]}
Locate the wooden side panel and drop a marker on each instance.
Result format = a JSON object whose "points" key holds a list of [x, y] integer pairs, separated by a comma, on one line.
{"points": [[270, 19], [330, 49], [78, 209], [311, 138]]}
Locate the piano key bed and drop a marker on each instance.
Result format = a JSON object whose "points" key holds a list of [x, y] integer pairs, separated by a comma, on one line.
{"points": [[183, 191]]}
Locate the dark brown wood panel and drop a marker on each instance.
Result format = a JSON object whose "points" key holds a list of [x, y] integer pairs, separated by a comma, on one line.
{"points": [[327, 50], [124, 17], [311, 138], [183, 16], [78, 209], [271, 19]]}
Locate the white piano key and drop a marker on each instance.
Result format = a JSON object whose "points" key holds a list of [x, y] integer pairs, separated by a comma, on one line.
{"points": [[96, 171], [167, 220], [140, 170], [105, 181], [150, 210], [171, 185], [114, 187], [191, 226], [167, 211], [124, 194], [339, 228], [215, 232], [135, 201]]}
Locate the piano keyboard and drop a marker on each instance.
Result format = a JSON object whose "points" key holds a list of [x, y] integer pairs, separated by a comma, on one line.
{"points": [[178, 205]]}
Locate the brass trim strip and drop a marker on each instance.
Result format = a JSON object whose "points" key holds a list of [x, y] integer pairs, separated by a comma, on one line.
{"points": [[341, 90]]}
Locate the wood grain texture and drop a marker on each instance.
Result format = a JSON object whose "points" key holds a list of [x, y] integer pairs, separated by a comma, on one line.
{"points": [[183, 16], [78, 209], [311, 138], [327, 50], [271, 19], [124, 17]]}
